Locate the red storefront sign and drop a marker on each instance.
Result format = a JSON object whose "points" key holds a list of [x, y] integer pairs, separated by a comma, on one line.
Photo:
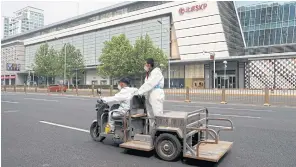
{"points": [[8, 77], [194, 8]]}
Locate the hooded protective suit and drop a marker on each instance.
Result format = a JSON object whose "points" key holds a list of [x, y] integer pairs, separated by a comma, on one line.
{"points": [[153, 90], [123, 98]]}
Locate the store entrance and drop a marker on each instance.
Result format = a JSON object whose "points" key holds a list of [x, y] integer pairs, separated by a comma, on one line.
{"points": [[227, 81]]}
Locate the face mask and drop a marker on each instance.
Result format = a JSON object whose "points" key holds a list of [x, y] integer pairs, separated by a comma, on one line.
{"points": [[146, 68], [119, 87]]}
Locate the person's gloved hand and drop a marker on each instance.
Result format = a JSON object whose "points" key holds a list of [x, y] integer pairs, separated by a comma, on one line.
{"points": [[101, 100]]}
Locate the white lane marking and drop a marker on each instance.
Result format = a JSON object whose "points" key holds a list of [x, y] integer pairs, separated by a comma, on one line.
{"points": [[64, 126], [237, 116], [11, 111], [222, 108], [41, 99], [14, 102], [71, 98], [224, 115]]}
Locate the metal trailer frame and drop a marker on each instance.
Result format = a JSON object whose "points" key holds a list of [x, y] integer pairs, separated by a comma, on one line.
{"points": [[205, 149]]}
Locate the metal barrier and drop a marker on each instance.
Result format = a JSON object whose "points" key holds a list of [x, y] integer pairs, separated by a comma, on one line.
{"points": [[266, 97]]}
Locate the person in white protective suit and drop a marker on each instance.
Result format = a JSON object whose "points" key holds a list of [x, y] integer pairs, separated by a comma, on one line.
{"points": [[153, 90], [122, 98]]}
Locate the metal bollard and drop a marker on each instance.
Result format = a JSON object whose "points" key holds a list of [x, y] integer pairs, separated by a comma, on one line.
{"points": [[187, 95], [223, 101], [266, 97], [4, 88], [25, 88], [76, 91], [93, 89], [61, 89], [14, 88], [35, 88], [111, 90], [47, 89]]}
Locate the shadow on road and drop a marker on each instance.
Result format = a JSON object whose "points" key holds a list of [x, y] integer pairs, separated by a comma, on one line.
{"points": [[139, 153]]}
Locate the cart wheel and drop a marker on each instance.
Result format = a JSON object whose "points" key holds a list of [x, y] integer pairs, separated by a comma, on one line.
{"points": [[168, 147], [95, 130]]}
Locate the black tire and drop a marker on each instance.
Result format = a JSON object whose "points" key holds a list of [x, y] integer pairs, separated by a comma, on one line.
{"points": [[95, 132], [168, 147]]}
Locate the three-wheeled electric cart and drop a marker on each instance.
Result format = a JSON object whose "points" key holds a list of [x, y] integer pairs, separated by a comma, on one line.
{"points": [[175, 133]]}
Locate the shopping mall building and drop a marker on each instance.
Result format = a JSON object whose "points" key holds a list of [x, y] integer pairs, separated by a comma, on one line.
{"points": [[254, 46]]}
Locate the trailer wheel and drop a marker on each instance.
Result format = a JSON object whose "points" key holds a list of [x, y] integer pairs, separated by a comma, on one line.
{"points": [[95, 130], [168, 147]]}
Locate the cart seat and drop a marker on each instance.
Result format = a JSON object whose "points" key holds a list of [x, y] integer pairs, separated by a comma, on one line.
{"points": [[139, 115]]}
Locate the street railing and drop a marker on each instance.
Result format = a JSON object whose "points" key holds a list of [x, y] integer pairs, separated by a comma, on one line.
{"points": [[267, 97]]}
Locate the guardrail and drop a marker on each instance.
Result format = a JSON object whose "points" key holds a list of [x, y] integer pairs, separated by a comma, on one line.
{"points": [[267, 97]]}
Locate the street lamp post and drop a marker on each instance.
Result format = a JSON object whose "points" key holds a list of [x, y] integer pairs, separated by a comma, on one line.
{"points": [[169, 65], [65, 59], [225, 66], [33, 78], [76, 78], [212, 56]]}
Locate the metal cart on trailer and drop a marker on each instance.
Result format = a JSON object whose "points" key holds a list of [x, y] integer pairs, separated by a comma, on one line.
{"points": [[175, 133]]}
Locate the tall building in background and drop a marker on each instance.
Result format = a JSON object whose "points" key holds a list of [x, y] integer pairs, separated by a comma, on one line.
{"points": [[270, 29], [25, 19], [5, 23]]}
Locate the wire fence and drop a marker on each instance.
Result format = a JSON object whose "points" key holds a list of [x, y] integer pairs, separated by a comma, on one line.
{"points": [[283, 97]]}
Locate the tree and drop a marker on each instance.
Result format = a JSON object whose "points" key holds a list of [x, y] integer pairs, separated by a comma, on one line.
{"points": [[116, 58], [119, 58], [46, 62], [143, 49], [74, 60]]}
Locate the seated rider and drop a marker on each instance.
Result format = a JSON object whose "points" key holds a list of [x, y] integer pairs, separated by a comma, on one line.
{"points": [[122, 98]]}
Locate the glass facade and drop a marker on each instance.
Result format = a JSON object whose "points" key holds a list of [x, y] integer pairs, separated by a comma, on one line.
{"points": [[231, 28], [91, 43], [268, 25]]}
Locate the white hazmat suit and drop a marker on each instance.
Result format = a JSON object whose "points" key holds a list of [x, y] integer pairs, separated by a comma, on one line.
{"points": [[153, 90], [123, 99]]}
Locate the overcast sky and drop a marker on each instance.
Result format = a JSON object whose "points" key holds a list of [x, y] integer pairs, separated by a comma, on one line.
{"points": [[55, 11]]}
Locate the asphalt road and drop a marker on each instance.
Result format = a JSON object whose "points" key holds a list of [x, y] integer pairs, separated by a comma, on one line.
{"points": [[263, 136]]}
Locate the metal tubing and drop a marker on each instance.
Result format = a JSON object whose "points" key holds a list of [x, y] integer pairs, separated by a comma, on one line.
{"points": [[266, 97], [197, 111], [196, 122], [191, 133], [207, 123], [215, 137], [102, 122], [187, 95], [189, 148]]}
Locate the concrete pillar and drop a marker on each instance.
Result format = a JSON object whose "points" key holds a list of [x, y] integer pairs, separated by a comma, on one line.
{"points": [[208, 83], [241, 74]]}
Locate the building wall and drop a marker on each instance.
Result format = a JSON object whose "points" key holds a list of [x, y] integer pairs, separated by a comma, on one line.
{"points": [[92, 77], [91, 43], [231, 28], [271, 73], [194, 30], [13, 53]]}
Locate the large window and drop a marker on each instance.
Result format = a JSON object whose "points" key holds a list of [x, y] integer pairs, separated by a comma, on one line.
{"points": [[274, 24], [290, 35]]}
